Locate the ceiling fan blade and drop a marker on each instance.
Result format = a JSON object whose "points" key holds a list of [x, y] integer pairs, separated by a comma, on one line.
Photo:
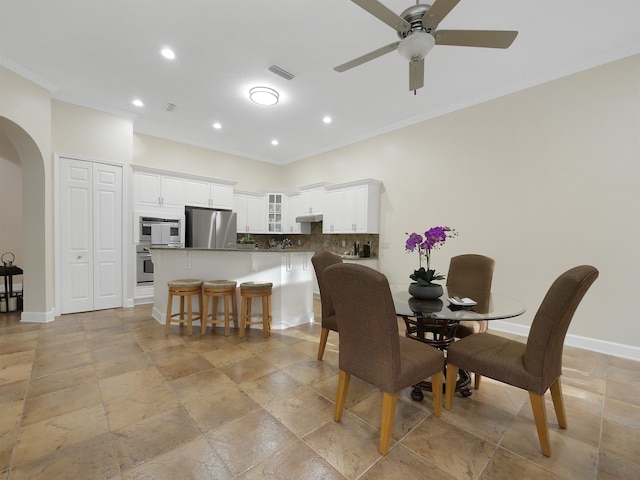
{"points": [[476, 38], [382, 13], [367, 57], [416, 74], [437, 12]]}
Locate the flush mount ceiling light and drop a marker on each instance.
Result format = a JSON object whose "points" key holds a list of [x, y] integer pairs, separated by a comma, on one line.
{"points": [[264, 96]]}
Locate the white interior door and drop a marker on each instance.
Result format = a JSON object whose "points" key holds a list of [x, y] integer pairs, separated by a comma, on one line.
{"points": [[107, 236], [90, 236]]}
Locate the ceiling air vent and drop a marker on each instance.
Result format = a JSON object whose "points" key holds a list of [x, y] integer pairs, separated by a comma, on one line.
{"points": [[169, 107], [281, 72]]}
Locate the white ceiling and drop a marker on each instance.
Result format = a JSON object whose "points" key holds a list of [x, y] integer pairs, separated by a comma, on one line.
{"points": [[104, 53]]}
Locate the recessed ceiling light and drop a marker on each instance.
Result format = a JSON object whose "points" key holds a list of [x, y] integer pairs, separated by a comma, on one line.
{"points": [[138, 103], [217, 125], [264, 96], [168, 53], [274, 142], [327, 119]]}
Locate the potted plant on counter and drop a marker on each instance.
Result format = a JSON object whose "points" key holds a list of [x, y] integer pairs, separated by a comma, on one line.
{"points": [[246, 242]]}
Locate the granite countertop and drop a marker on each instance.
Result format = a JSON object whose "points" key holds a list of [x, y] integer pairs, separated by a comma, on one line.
{"points": [[242, 250]]}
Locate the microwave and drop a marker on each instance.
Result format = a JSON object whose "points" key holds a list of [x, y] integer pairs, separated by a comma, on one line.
{"points": [[159, 231]]}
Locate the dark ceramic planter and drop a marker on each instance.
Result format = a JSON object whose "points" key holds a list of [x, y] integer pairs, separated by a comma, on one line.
{"points": [[430, 292]]}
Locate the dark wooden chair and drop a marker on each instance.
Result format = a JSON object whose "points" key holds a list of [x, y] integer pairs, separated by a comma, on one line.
{"points": [[321, 260], [535, 366], [371, 347]]}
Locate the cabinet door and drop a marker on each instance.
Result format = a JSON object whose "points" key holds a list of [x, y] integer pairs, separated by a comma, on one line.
{"points": [[275, 218], [198, 193], [256, 215], [172, 192], [148, 187], [240, 206], [361, 209], [221, 196]]}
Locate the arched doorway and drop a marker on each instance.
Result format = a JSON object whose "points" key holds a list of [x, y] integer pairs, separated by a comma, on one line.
{"points": [[37, 221]]}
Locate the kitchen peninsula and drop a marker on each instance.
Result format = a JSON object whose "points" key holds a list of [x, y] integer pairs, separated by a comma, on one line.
{"points": [[290, 271]]}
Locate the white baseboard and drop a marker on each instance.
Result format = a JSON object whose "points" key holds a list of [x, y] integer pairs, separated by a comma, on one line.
{"points": [[595, 345], [38, 317]]}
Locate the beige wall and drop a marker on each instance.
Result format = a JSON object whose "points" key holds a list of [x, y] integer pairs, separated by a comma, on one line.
{"points": [[25, 120], [250, 174], [541, 180], [11, 238]]}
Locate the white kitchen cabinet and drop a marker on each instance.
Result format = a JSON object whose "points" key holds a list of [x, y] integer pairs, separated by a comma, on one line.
{"points": [[251, 212], [200, 193], [158, 190], [311, 199], [352, 207], [292, 209], [275, 212]]}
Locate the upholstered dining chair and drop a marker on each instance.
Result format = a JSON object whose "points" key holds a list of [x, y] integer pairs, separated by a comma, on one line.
{"points": [[470, 275], [371, 347], [321, 260], [536, 365]]}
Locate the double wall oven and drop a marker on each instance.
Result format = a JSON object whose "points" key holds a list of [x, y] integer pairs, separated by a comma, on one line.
{"points": [[154, 231]]}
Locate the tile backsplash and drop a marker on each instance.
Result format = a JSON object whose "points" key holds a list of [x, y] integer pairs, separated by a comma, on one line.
{"points": [[317, 240]]}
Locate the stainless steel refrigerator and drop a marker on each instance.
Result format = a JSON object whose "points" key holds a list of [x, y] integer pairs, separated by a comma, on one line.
{"points": [[209, 228]]}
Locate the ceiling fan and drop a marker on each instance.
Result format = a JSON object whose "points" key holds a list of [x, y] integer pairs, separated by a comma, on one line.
{"points": [[416, 27]]}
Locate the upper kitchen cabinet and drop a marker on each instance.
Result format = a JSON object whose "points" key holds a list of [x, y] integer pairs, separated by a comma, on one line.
{"points": [[291, 211], [275, 212], [311, 199], [352, 207], [202, 193], [158, 190], [251, 212]]}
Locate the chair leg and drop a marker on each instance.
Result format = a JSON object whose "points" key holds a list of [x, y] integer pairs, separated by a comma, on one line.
{"points": [[476, 381], [436, 379], [341, 396], [540, 416], [324, 336], [189, 315], [243, 315], [452, 377], [205, 315], [558, 403], [227, 327], [168, 321], [389, 402]]}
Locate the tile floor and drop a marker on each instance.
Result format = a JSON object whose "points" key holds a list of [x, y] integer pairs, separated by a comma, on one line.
{"points": [[105, 395]]}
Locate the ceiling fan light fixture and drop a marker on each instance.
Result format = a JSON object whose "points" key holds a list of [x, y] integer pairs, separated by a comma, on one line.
{"points": [[264, 96], [416, 45]]}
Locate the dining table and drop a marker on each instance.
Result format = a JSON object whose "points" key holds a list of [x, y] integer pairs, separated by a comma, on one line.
{"points": [[435, 322]]}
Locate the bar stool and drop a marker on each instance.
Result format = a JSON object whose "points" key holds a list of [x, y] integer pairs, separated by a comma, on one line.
{"points": [[185, 289], [215, 289], [249, 291]]}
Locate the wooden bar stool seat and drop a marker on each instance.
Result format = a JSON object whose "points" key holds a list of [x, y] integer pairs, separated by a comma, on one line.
{"points": [[226, 290], [249, 291], [185, 289]]}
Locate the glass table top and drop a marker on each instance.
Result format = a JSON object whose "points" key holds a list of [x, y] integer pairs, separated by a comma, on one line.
{"points": [[489, 307]]}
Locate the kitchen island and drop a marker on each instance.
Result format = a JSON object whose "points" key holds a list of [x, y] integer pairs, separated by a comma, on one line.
{"points": [[290, 271]]}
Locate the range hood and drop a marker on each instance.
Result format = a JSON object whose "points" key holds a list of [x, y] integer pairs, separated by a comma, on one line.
{"points": [[311, 218]]}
